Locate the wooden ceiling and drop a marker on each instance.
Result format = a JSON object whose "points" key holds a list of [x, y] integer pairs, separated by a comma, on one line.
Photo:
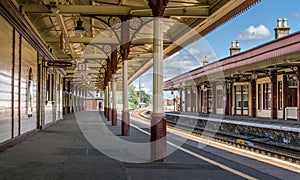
{"points": [[185, 22]]}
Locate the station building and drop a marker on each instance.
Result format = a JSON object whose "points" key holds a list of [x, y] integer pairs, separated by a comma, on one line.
{"points": [[261, 82], [32, 95]]}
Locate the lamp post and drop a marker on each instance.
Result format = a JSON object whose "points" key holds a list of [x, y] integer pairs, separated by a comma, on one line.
{"points": [[174, 100]]}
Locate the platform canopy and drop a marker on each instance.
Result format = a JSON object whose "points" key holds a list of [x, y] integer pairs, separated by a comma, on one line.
{"points": [[86, 32]]}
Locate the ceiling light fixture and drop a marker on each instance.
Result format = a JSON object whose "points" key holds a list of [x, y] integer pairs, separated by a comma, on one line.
{"points": [[79, 29], [79, 26]]}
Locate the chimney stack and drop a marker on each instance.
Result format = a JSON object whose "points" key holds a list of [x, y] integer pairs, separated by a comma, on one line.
{"points": [[235, 48], [205, 61], [282, 28]]}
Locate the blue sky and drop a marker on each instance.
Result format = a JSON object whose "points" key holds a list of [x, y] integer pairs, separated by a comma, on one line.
{"points": [[252, 28], [264, 13]]}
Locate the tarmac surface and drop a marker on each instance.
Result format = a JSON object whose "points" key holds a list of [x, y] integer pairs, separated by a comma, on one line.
{"points": [[63, 152]]}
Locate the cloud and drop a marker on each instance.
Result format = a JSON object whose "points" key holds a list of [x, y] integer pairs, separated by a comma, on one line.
{"points": [[255, 33], [296, 14]]}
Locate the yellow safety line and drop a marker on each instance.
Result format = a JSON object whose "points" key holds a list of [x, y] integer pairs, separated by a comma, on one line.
{"points": [[266, 159], [204, 158]]}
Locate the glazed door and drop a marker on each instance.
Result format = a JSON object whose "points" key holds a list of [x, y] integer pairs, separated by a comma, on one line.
{"points": [[292, 97], [241, 100]]}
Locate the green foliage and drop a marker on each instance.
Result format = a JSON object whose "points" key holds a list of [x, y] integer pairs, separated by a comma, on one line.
{"points": [[145, 98], [133, 97]]}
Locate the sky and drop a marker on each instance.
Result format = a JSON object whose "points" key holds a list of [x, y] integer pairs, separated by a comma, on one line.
{"points": [[251, 28]]}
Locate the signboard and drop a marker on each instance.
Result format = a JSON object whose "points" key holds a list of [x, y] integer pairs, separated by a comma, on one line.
{"points": [[60, 63], [81, 66]]}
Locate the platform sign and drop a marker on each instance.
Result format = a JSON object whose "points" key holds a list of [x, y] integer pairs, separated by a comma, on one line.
{"points": [[81, 66], [61, 64]]}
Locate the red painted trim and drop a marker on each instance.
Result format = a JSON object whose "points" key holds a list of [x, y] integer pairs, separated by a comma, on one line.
{"points": [[277, 48], [253, 98], [114, 121], [125, 123], [284, 94], [298, 93], [158, 136], [273, 95]]}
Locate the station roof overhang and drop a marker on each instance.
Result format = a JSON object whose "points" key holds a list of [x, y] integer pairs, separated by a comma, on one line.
{"points": [[55, 21], [281, 56]]}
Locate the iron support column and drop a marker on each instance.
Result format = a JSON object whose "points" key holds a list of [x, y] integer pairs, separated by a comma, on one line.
{"points": [[298, 94], [158, 122], [125, 112], [125, 49], [274, 95], [114, 103], [253, 98], [105, 102], [109, 102]]}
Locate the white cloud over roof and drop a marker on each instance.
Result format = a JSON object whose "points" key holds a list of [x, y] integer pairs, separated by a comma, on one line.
{"points": [[255, 33]]}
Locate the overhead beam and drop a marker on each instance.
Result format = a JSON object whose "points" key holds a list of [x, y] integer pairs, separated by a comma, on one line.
{"points": [[199, 10], [82, 56], [79, 9], [64, 29], [91, 40]]}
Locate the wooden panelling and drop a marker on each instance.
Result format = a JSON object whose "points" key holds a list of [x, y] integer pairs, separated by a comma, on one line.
{"points": [[29, 61], [58, 96], [18, 66], [16, 85], [6, 39]]}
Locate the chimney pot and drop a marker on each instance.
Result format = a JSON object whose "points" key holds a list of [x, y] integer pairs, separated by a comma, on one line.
{"points": [[235, 48], [237, 43], [205, 62], [282, 28], [279, 22], [285, 22]]}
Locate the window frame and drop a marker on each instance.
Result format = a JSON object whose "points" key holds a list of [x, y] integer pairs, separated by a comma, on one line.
{"points": [[280, 95]]}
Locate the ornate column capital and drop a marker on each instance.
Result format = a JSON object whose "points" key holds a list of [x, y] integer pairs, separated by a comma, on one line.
{"points": [[158, 7]]}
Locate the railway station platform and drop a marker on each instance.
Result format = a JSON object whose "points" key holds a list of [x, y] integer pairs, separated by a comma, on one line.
{"points": [[63, 152], [276, 124]]}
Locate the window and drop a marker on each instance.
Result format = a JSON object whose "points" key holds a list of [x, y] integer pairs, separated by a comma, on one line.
{"points": [[220, 98], [267, 96], [259, 96], [204, 99], [50, 83], [29, 94], [280, 95], [210, 100], [241, 100]]}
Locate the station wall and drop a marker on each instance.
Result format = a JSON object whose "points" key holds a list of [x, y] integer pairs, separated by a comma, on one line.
{"points": [[24, 91]]}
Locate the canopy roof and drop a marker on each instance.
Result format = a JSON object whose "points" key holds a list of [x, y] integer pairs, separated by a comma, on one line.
{"points": [[55, 21]]}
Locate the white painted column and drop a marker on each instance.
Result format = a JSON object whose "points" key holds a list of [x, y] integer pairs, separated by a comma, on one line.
{"points": [[158, 101], [109, 102], [125, 86], [158, 121], [114, 101], [109, 95], [114, 84], [125, 113], [105, 102]]}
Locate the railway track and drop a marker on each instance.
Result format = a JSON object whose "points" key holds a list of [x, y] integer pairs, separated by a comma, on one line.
{"points": [[281, 153]]}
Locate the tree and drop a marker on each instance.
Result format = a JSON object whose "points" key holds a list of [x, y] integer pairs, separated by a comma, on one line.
{"points": [[145, 98], [133, 98]]}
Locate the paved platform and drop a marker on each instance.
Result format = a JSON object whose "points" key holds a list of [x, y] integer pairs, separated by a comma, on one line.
{"points": [[63, 152], [276, 124]]}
